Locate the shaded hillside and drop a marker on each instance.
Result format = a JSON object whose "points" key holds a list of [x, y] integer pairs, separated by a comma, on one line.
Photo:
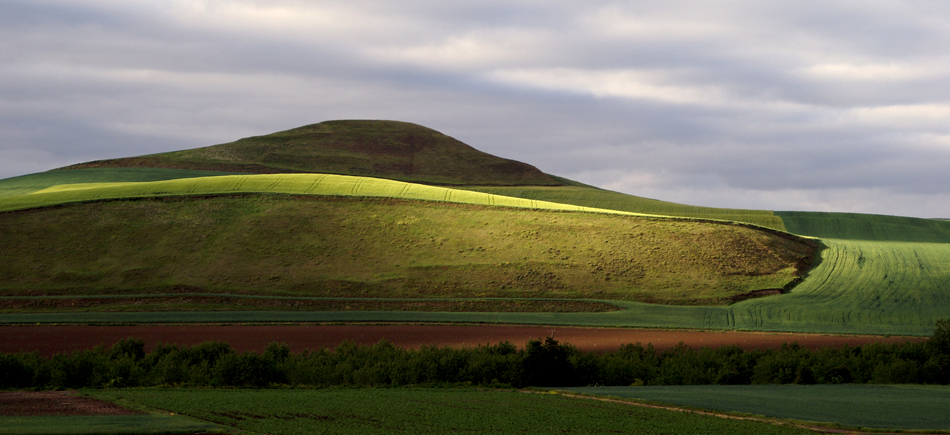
{"points": [[383, 149], [588, 196], [856, 226], [359, 247]]}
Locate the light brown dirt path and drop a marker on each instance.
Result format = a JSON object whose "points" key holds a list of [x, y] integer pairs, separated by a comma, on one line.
{"points": [[48, 340], [776, 421]]}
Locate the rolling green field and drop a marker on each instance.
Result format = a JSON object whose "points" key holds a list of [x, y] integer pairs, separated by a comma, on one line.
{"points": [[854, 226], [876, 274], [860, 286], [413, 411], [26, 184], [908, 407], [362, 247]]}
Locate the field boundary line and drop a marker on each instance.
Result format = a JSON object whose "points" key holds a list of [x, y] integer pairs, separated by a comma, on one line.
{"points": [[815, 426]]}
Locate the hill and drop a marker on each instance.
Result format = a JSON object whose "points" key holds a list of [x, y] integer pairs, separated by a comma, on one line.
{"points": [[382, 149], [875, 274], [365, 237]]}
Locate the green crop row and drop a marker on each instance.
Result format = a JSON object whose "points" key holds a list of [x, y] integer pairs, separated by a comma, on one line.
{"points": [[905, 407], [413, 411]]}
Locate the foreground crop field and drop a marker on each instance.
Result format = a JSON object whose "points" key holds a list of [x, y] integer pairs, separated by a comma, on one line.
{"points": [[906, 407], [414, 411]]}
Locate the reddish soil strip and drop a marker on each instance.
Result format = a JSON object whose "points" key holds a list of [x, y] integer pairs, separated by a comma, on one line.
{"points": [[49, 340], [41, 403]]}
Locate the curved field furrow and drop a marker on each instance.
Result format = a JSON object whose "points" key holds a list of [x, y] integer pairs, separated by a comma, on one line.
{"points": [[862, 286]]}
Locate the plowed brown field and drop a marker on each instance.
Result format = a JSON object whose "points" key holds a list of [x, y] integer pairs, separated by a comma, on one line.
{"points": [[41, 403], [49, 340]]}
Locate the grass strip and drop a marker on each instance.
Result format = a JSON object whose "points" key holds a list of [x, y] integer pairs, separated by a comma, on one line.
{"points": [[907, 407], [107, 425]]}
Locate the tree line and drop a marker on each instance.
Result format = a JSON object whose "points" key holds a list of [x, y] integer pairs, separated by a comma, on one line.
{"points": [[539, 363]]}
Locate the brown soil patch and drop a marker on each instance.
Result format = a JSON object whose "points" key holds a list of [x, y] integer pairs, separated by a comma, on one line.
{"points": [[42, 403], [49, 340]]}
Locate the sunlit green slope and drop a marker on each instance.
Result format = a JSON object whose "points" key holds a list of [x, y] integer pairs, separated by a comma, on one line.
{"points": [[341, 236], [593, 197]]}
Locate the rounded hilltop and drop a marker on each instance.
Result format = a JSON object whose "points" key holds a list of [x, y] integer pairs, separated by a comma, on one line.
{"points": [[384, 149]]}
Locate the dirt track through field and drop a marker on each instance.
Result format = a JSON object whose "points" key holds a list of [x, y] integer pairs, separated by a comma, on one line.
{"points": [[49, 340]]}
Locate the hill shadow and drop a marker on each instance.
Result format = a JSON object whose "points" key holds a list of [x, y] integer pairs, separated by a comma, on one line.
{"points": [[856, 226]]}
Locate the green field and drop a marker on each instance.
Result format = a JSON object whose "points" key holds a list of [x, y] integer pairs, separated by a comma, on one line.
{"points": [[909, 407], [335, 246], [413, 411], [106, 425], [854, 226], [26, 184], [876, 274], [301, 184]]}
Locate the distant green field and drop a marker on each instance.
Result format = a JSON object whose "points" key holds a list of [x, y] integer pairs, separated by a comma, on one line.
{"points": [[415, 411], [855, 226], [106, 425], [25, 184], [908, 407], [593, 197]]}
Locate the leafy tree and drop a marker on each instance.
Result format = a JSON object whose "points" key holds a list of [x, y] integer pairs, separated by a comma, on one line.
{"points": [[939, 345]]}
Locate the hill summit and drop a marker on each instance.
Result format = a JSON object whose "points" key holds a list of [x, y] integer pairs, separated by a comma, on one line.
{"points": [[385, 149]]}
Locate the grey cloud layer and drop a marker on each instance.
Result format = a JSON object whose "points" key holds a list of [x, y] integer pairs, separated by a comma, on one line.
{"points": [[778, 105]]}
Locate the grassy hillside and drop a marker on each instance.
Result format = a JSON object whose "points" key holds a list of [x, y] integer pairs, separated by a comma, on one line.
{"points": [[305, 184], [383, 149], [340, 247], [879, 274], [588, 196], [27, 184]]}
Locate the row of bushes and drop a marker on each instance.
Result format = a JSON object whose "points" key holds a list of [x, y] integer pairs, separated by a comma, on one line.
{"points": [[539, 363]]}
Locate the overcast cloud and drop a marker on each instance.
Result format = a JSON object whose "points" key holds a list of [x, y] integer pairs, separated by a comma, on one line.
{"points": [[804, 105]]}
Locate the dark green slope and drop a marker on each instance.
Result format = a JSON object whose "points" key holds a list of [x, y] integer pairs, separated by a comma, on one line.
{"points": [[383, 149], [856, 226]]}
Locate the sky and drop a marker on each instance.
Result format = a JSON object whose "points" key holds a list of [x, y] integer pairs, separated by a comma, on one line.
{"points": [[777, 105]]}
